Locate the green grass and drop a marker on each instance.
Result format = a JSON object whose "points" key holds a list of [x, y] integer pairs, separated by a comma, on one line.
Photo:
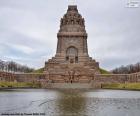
{"points": [[39, 70], [134, 86], [19, 85], [103, 71]]}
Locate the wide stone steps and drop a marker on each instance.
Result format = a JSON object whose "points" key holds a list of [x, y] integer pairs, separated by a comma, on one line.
{"points": [[70, 85]]}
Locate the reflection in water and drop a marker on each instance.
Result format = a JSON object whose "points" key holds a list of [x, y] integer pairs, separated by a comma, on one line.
{"points": [[71, 102]]}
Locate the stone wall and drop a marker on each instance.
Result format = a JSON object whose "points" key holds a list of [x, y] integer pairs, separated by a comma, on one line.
{"points": [[117, 78], [30, 77], [6, 76], [96, 80]]}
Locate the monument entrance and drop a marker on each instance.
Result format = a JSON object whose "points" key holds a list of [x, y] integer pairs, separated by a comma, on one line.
{"points": [[72, 55]]}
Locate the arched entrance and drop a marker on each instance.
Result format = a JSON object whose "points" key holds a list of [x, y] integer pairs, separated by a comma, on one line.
{"points": [[72, 55]]}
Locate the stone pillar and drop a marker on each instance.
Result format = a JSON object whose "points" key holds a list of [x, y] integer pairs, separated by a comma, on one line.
{"points": [[85, 45]]}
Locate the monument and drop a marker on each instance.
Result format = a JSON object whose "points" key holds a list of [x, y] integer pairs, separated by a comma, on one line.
{"points": [[71, 63]]}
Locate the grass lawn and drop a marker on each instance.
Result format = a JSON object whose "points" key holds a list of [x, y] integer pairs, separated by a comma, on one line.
{"points": [[131, 86], [39, 70], [103, 71]]}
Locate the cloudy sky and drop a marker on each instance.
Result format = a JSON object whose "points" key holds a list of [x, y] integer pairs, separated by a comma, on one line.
{"points": [[28, 30]]}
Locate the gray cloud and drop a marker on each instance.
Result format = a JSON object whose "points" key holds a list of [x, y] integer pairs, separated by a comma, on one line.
{"points": [[28, 30]]}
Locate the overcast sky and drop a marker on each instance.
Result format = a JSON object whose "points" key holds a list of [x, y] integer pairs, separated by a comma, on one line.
{"points": [[28, 30]]}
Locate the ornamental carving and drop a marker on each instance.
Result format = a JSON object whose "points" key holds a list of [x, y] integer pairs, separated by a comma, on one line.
{"points": [[72, 17]]}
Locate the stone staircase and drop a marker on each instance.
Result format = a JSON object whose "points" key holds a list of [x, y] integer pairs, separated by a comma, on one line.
{"points": [[69, 85]]}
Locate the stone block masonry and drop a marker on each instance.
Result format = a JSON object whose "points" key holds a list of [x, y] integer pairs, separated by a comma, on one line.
{"points": [[94, 81], [72, 61]]}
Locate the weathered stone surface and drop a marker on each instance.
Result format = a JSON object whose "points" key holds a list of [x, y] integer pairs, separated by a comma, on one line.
{"points": [[72, 62], [6, 76]]}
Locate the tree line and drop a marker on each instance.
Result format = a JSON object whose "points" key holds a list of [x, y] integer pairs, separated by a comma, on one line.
{"points": [[11, 66], [132, 68]]}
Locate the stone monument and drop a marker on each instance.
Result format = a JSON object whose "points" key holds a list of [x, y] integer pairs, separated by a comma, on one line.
{"points": [[71, 63]]}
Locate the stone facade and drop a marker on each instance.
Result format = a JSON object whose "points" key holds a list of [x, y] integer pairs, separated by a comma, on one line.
{"points": [[72, 62]]}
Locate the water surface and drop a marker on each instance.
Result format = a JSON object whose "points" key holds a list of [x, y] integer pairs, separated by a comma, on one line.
{"points": [[70, 102]]}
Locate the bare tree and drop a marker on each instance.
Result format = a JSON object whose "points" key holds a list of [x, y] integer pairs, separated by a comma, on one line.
{"points": [[11, 66], [132, 68]]}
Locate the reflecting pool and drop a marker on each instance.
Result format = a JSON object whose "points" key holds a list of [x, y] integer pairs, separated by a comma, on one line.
{"points": [[69, 102]]}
